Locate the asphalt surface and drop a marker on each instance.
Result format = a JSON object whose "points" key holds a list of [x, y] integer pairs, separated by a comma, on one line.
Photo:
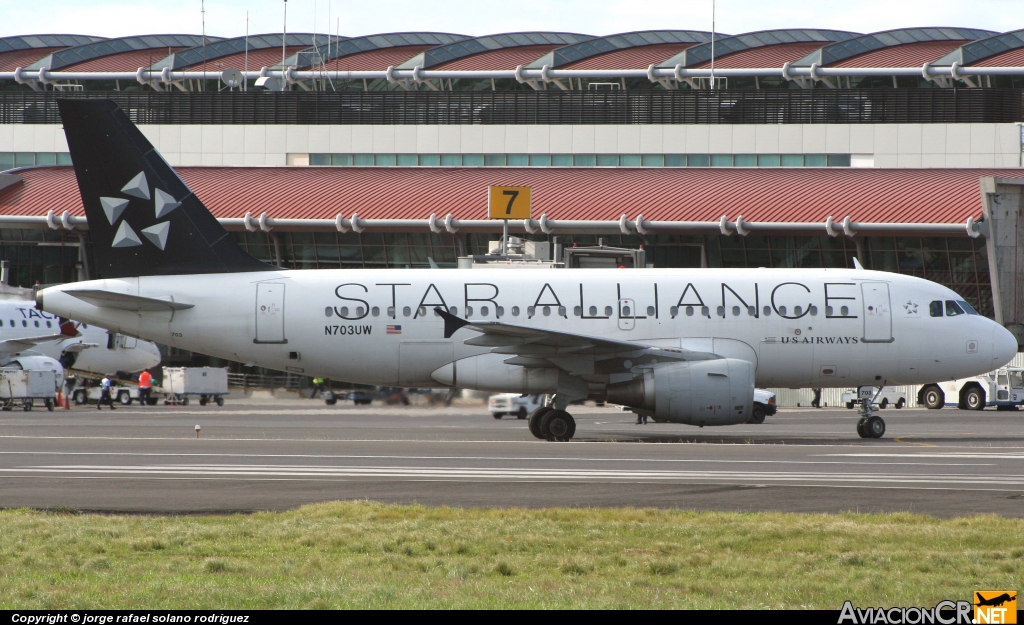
{"points": [[276, 454]]}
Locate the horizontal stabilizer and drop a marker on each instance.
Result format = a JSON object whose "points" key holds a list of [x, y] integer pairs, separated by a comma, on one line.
{"points": [[123, 301]]}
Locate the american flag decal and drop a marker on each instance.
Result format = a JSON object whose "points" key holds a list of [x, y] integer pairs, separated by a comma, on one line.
{"points": [[394, 329]]}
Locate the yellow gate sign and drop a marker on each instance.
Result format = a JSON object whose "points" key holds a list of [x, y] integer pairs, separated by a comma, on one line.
{"points": [[508, 202]]}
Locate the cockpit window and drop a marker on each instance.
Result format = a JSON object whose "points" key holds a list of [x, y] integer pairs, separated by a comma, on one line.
{"points": [[935, 308], [967, 307], [953, 309]]}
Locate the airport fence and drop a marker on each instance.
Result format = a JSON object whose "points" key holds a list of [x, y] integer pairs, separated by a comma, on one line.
{"points": [[679, 106]]}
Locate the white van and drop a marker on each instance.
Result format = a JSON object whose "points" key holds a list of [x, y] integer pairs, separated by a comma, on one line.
{"points": [[513, 404]]}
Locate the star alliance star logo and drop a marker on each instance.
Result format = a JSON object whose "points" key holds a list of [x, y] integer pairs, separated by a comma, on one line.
{"points": [[163, 204], [910, 307]]}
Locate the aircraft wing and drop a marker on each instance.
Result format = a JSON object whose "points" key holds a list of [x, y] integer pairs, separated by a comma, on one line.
{"points": [[13, 346], [577, 354], [80, 347], [123, 301]]}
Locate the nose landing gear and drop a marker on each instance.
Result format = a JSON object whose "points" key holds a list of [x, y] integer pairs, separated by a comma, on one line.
{"points": [[869, 426]]}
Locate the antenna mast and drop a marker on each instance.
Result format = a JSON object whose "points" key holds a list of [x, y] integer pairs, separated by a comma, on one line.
{"points": [[284, 36], [712, 44], [202, 12]]}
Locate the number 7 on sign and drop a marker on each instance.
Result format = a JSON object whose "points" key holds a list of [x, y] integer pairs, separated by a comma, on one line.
{"points": [[508, 202]]}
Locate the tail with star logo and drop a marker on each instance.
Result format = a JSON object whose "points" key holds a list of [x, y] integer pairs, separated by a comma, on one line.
{"points": [[143, 219]]}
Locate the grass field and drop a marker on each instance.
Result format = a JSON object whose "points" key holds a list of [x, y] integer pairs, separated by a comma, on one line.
{"points": [[369, 555]]}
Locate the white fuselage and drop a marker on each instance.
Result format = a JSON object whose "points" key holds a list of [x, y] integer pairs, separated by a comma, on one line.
{"points": [[801, 327], [95, 353]]}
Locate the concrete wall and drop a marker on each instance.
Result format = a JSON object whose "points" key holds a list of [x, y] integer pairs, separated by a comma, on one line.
{"points": [[1003, 205], [877, 145]]}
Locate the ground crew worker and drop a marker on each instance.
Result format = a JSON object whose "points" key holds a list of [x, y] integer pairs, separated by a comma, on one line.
{"points": [[145, 387], [105, 394], [318, 387]]}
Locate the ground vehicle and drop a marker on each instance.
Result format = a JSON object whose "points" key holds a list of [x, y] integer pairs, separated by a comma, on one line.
{"points": [[22, 387], [1003, 388], [358, 397], [209, 383], [764, 405], [123, 395], [890, 396], [513, 404]]}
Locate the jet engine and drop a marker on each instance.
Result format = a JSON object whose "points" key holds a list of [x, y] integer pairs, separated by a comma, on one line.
{"points": [[36, 363], [705, 392]]}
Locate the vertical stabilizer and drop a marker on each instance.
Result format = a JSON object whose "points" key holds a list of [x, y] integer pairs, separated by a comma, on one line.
{"points": [[143, 219]]}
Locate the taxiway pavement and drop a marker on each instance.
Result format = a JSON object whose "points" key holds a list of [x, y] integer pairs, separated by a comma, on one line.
{"points": [[255, 454]]}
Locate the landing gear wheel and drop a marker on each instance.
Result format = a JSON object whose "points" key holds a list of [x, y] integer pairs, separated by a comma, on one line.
{"points": [[757, 415], [933, 398], [558, 425], [860, 429], [535, 419], [874, 427], [974, 399]]}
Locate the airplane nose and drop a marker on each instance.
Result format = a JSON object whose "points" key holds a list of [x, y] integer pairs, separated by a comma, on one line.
{"points": [[1004, 346]]}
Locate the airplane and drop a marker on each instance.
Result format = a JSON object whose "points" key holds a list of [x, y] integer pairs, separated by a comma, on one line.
{"points": [[32, 339], [679, 345], [994, 601]]}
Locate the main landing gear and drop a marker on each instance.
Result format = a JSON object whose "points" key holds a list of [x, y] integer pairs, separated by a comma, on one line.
{"points": [[869, 426], [552, 424]]}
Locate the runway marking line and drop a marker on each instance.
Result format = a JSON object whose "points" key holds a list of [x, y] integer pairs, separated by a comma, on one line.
{"points": [[528, 481], [899, 439], [853, 442], [527, 458], [516, 475]]}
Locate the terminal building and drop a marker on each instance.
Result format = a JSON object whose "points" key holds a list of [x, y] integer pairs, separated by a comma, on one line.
{"points": [[780, 148]]}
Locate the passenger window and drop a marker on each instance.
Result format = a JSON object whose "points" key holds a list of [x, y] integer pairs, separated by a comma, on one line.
{"points": [[49, 325], [650, 311], [953, 309], [935, 309], [593, 311], [37, 323], [24, 323], [483, 311], [469, 312], [375, 311], [406, 311], [499, 311], [607, 311], [767, 311], [515, 311]]}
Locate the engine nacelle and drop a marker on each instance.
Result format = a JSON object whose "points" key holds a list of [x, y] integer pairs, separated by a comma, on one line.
{"points": [[488, 372], [36, 363], [705, 392]]}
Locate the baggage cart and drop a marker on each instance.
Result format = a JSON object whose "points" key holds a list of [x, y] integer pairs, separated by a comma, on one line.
{"points": [[21, 387], [206, 383]]}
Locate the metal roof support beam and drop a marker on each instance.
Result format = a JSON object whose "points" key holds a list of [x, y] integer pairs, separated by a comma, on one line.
{"points": [[18, 78], [406, 77], [724, 226]]}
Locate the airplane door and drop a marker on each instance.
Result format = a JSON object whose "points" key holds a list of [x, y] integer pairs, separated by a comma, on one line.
{"points": [[627, 312], [877, 312], [270, 313]]}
